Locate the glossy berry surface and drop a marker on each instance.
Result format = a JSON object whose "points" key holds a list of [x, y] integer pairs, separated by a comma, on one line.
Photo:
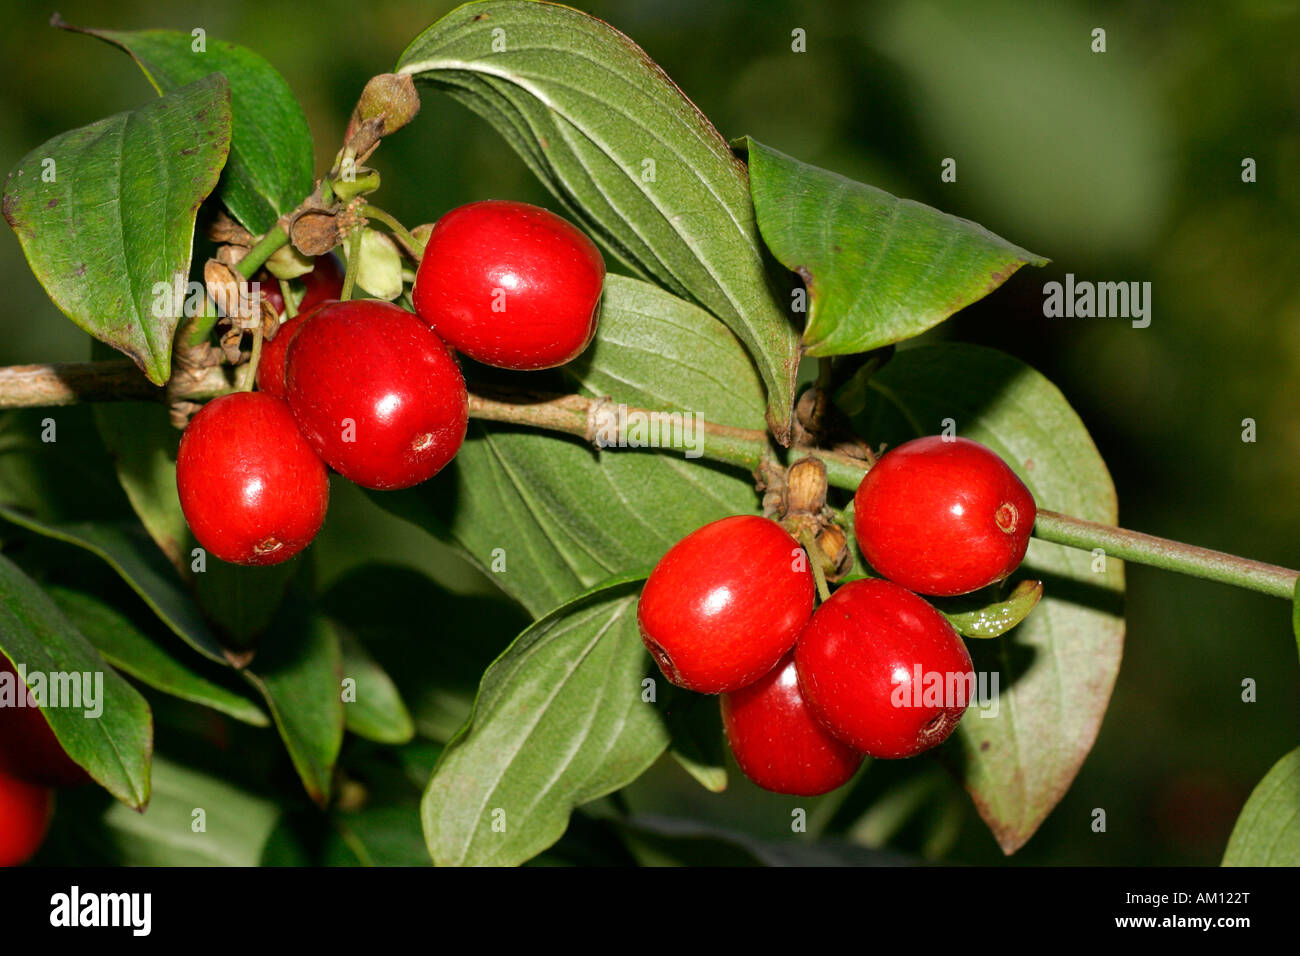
{"points": [[725, 604], [376, 393], [510, 285], [270, 369], [25, 810], [28, 748], [943, 517], [883, 670], [252, 489], [778, 743]]}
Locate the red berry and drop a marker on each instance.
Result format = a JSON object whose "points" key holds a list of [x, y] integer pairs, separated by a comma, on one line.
{"points": [[324, 282], [377, 394], [251, 488], [726, 603], [28, 748], [270, 368], [943, 516], [510, 285], [883, 670], [777, 741], [25, 810]]}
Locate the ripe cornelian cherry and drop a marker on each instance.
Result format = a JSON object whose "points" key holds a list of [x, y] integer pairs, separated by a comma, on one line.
{"points": [[376, 393], [270, 369], [943, 516], [883, 670], [252, 489], [25, 810], [28, 748], [510, 285], [726, 603], [778, 743]]}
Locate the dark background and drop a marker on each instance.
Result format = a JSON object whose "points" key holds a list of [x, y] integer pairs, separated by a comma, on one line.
{"points": [[1119, 166]]}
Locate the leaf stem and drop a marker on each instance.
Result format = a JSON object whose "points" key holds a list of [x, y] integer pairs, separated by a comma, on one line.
{"points": [[265, 248], [814, 558], [255, 357], [290, 310], [1169, 555], [401, 232], [354, 266]]}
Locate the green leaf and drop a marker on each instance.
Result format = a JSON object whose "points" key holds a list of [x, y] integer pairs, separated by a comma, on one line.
{"points": [[143, 443], [696, 727], [236, 825], [1056, 669], [547, 517], [559, 721], [611, 136], [57, 480], [110, 736], [271, 155], [1268, 831], [299, 671], [384, 604], [377, 712], [973, 616], [878, 269], [106, 213], [131, 651], [130, 552], [378, 836]]}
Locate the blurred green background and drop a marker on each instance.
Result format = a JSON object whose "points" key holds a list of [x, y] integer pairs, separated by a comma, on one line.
{"points": [[1123, 165]]}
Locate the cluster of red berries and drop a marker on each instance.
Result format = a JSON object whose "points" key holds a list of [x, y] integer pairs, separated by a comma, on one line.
{"points": [[806, 693], [32, 764], [373, 391]]}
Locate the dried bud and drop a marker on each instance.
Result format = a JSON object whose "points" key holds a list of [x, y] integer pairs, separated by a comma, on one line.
{"points": [[314, 232], [837, 556], [226, 289], [270, 321], [230, 340], [806, 483], [225, 231]]}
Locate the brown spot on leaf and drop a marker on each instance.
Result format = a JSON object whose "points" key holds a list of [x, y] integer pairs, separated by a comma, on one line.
{"points": [[51, 204], [81, 271], [189, 152], [984, 745], [479, 16]]}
